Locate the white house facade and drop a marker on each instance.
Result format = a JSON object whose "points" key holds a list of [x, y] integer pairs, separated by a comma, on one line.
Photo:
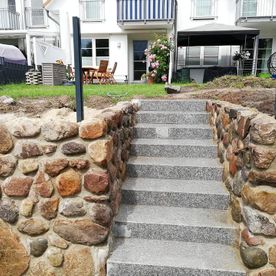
{"points": [[23, 21], [116, 30], [257, 14], [120, 30]]}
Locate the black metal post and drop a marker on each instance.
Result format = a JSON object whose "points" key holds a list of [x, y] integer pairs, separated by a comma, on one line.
{"points": [[78, 68]]}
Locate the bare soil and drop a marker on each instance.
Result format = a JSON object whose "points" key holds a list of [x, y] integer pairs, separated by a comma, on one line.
{"points": [[34, 106], [262, 99]]}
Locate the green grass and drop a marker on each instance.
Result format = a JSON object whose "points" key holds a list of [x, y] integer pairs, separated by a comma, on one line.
{"points": [[127, 91]]}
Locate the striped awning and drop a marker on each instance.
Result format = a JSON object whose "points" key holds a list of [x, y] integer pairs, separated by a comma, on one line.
{"points": [[145, 10]]}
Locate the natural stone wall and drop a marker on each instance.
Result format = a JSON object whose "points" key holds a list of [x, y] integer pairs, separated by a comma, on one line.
{"points": [[60, 189], [247, 149]]}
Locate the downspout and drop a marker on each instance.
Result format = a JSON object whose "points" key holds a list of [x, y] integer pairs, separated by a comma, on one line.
{"points": [[175, 37], [56, 22], [50, 17], [172, 53]]}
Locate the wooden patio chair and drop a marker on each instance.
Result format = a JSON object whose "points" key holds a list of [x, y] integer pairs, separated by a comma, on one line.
{"points": [[101, 73], [110, 75]]}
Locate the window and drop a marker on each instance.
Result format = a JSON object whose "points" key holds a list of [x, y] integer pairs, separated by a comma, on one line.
{"points": [[94, 50], [249, 8], [93, 10], [36, 14], [11, 4], [204, 8], [200, 56], [264, 52], [211, 55], [193, 56]]}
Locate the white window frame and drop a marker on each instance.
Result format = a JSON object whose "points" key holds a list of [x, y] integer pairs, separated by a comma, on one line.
{"points": [[212, 16], [83, 11], [94, 57], [201, 58]]}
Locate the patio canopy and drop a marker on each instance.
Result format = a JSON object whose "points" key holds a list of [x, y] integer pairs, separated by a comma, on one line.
{"points": [[215, 34]]}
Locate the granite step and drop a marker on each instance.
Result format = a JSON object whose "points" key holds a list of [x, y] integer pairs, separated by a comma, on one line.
{"points": [[172, 131], [173, 105], [174, 223], [175, 192], [137, 257], [172, 117], [174, 148], [174, 168]]}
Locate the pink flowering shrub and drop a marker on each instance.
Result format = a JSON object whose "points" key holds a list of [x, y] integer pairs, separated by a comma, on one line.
{"points": [[158, 56]]}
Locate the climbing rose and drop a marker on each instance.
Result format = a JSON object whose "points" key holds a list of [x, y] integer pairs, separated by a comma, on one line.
{"points": [[164, 78]]}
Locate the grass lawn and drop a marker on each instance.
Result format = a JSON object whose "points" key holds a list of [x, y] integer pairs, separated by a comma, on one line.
{"points": [[127, 91]]}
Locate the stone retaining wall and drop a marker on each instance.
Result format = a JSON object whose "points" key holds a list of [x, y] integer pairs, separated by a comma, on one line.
{"points": [[60, 189], [247, 149]]}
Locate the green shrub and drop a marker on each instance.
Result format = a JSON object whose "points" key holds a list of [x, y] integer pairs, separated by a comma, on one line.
{"points": [[264, 75]]}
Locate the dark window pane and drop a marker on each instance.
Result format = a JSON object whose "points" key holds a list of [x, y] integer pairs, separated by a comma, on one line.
{"points": [[265, 43], [211, 51], [86, 43], [102, 43], [86, 52], [193, 61], [140, 66], [210, 60], [140, 45], [138, 75], [139, 56], [102, 52]]}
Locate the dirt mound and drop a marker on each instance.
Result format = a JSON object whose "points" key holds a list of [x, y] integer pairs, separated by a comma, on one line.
{"points": [[240, 82]]}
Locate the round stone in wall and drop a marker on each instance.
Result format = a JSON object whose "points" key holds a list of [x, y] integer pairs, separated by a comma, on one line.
{"points": [[38, 247], [8, 211], [24, 128], [72, 207], [14, 257], [253, 257], [68, 183], [33, 226], [73, 148], [6, 143], [7, 165], [58, 130]]}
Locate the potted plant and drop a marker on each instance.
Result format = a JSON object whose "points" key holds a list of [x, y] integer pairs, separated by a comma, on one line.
{"points": [[149, 77], [239, 57]]}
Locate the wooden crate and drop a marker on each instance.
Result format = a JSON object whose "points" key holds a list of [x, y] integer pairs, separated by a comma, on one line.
{"points": [[53, 74]]}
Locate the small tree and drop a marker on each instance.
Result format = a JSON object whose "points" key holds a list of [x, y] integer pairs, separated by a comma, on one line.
{"points": [[158, 56]]}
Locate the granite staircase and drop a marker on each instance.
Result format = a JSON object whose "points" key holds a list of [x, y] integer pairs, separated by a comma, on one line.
{"points": [[174, 217]]}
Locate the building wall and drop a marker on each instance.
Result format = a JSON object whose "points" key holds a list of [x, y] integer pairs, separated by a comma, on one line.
{"points": [[225, 11], [120, 40]]}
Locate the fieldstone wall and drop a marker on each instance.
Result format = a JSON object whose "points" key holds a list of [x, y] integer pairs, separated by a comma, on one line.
{"points": [[247, 149], [60, 189]]}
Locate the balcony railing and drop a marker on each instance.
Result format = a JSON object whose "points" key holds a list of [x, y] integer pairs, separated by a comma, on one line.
{"points": [[9, 20], [92, 10], [35, 18], [145, 10], [255, 9]]}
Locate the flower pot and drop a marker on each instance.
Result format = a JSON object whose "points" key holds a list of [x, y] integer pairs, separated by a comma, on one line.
{"points": [[150, 80]]}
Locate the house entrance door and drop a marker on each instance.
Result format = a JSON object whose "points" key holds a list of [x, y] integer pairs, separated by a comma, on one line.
{"points": [[139, 58]]}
